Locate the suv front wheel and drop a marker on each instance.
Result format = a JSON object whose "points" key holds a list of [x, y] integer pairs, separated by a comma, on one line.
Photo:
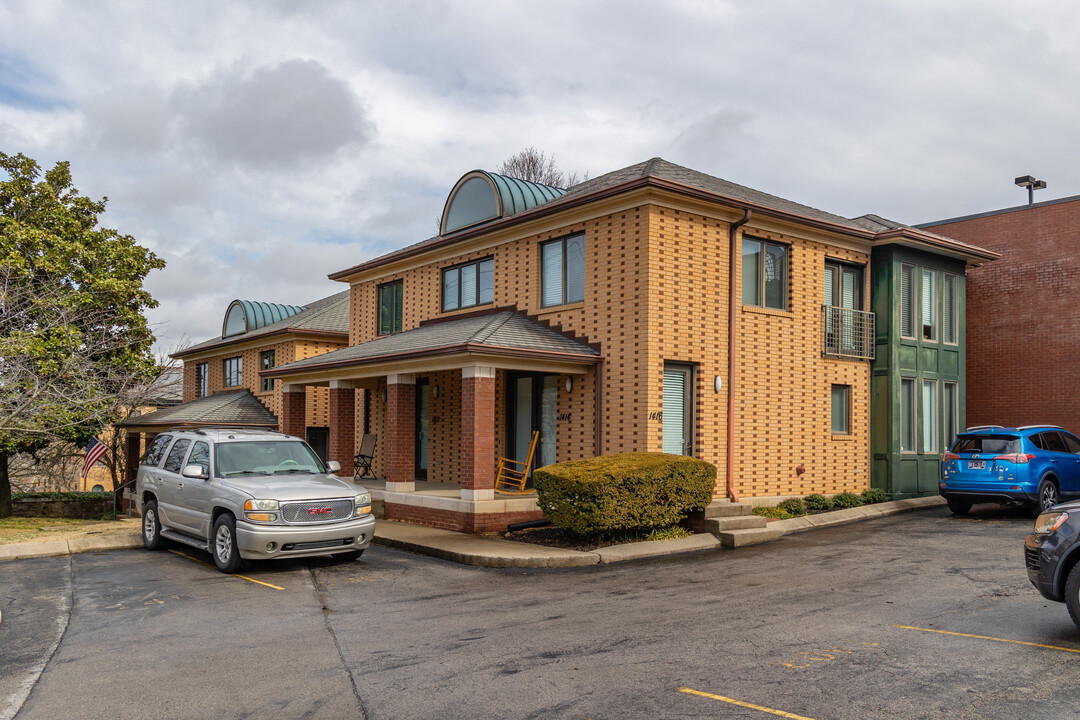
{"points": [[223, 546]]}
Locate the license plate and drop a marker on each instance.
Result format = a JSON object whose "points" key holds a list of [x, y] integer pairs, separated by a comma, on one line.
{"points": [[976, 465]]}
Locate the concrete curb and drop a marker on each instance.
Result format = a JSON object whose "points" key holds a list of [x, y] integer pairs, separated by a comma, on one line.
{"points": [[656, 548], [855, 514]]}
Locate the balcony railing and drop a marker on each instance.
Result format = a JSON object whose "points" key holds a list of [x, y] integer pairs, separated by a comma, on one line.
{"points": [[848, 333]]}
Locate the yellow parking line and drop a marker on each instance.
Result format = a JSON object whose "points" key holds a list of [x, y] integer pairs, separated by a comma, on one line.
{"points": [[987, 637], [740, 703], [242, 577]]}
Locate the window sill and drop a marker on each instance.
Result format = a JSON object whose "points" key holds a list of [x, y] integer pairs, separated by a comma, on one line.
{"points": [[767, 311], [469, 309], [561, 308], [843, 438]]}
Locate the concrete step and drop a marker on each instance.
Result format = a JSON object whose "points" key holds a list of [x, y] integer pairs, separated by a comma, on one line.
{"points": [[738, 522], [751, 536], [726, 508]]}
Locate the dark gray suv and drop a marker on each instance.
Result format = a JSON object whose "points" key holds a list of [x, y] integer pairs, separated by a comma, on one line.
{"points": [[246, 494], [1052, 554]]}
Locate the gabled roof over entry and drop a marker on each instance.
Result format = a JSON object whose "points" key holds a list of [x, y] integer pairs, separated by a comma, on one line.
{"points": [[504, 333], [231, 407]]}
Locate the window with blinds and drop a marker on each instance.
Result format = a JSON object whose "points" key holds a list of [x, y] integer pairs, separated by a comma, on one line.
{"points": [[928, 421], [929, 305], [907, 300], [950, 302], [907, 415], [562, 271]]}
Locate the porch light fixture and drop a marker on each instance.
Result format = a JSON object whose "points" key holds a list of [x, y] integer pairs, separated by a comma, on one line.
{"points": [[1029, 182], [717, 384], [434, 391], [569, 384]]}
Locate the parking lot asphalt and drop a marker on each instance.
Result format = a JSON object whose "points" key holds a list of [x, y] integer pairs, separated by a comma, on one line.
{"points": [[922, 615]]}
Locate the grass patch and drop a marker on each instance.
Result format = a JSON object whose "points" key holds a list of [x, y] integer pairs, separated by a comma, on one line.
{"points": [[22, 529]]}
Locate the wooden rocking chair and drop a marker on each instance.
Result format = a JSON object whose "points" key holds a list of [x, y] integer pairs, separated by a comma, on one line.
{"points": [[511, 475]]}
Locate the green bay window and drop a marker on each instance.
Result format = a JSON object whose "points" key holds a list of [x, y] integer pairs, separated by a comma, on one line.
{"points": [[391, 300]]}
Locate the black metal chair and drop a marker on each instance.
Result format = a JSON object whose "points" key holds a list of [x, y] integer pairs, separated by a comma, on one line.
{"points": [[362, 460]]}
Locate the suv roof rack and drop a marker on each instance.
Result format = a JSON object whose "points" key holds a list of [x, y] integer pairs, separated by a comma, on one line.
{"points": [[973, 428], [1032, 427]]}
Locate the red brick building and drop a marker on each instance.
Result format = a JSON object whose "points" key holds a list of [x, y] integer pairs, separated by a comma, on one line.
{"points": [[1023, 318]]}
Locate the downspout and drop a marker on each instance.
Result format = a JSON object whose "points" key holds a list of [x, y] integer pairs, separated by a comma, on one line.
{"points": [[732, 305]]}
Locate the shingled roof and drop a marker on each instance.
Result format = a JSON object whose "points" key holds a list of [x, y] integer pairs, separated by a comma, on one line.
{"points": [[504, 332], [658, 171], [230, 407], [328, 315]]}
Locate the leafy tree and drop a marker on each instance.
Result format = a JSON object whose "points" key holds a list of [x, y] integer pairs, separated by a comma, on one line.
{"points": [[534, 165], [73, 337]]}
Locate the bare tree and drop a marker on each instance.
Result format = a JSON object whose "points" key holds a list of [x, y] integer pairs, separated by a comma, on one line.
{"points": [[534, 165]]}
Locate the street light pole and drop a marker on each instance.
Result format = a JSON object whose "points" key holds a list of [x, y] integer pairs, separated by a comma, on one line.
{"points": [[1029, 182]]}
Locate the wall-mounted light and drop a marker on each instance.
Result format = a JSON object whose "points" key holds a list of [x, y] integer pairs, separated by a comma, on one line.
{"points": [[434, 391], [384, 394], [569, 384], [717, 384]]}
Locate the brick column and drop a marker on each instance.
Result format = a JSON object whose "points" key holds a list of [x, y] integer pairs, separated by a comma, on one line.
{"points": [[477, 476], [293, 417], [400, 433], [342, 445]]}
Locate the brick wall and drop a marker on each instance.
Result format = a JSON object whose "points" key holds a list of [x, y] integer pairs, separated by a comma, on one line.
{"points": [[460, 522], [1023, 321]]}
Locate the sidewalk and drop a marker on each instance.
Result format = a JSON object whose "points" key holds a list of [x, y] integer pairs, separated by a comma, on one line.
{"points": [[471, 549]]}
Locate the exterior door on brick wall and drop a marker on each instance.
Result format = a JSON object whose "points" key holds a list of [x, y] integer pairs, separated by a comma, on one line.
{"points": [[531, 406], [423, 420], [678, 409], [319, 440]]}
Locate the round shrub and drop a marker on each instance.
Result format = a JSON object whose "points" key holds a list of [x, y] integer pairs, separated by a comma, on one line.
{"points": [[627, 491], [793, 506], [875, 495], [766, 511], [816, 501], [847, 500]]}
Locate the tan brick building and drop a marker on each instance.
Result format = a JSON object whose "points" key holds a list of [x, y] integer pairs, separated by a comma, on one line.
{"points": [[654, 308]]}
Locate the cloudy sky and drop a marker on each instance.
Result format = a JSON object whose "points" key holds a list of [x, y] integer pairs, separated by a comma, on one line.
{"points": [[258, 146]]}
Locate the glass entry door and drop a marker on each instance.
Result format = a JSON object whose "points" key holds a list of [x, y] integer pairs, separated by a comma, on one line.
{"points": [[423, 418], [532, 406]]}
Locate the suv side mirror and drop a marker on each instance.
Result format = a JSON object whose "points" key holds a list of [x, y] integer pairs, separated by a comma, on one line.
{"points": [[333, 466], [195, 471]]}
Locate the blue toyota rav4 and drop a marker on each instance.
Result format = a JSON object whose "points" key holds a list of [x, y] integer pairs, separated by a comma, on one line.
{"points": [[1033, 465]]}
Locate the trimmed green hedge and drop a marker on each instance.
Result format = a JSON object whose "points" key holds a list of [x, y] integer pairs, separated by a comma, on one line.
{"points": [[627, 491], [68, 496]]}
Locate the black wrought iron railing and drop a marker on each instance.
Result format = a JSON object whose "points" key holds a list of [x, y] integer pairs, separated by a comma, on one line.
{"points": [[848, 333]]}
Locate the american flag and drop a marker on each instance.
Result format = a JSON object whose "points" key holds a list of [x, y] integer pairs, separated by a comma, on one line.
{"points": [[94, 451]]}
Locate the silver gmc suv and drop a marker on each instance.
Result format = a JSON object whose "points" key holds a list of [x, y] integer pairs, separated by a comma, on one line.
{"points": [[248, 494]]}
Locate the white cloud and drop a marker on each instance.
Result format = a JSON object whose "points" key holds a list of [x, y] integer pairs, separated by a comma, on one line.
{"points": [[259, 146]]}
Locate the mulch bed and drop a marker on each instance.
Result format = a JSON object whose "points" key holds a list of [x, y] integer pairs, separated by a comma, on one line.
{"points": [[557, 537]]}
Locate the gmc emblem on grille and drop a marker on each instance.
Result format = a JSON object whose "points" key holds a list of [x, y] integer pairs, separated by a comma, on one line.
{"points": [[319, 511]]}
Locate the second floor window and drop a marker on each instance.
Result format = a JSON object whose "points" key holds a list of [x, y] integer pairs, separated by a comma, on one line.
{"points": [[201, 385], [562, 271], [233, 371], [468, 285], [391, 301], [929, 305], [907, 301], [764, 274], [949, 306], [266, 361]]}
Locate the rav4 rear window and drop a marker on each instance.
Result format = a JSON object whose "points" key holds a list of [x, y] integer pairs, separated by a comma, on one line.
{"points": [[989, 444]]}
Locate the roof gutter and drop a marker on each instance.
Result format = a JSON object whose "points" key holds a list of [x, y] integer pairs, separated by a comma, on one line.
{"points": [[732, 305]]}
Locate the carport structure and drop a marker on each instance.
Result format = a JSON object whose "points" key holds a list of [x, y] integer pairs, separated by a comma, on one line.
{"points": [[442, 382]]}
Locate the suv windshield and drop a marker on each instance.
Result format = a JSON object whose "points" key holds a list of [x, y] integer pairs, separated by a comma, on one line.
{"points": [[265, 458], [990, 444]]}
